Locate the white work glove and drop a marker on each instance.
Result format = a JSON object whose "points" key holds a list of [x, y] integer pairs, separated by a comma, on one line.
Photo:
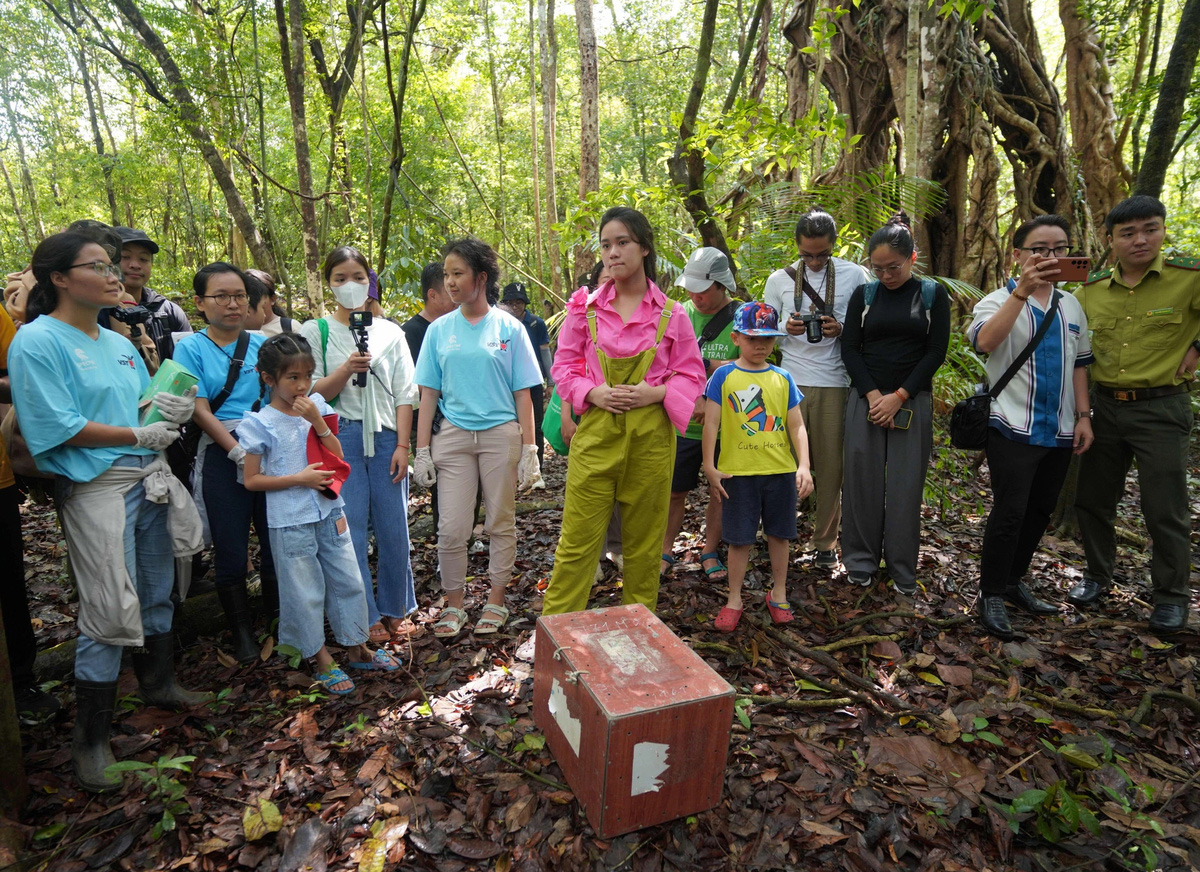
{"points": [[238, 455], [424, 473], [529, 471], [157, 436], [177, 410]]}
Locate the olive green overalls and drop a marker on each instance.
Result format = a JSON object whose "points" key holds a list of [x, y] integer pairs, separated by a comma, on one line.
{"points": [[624, 458]]}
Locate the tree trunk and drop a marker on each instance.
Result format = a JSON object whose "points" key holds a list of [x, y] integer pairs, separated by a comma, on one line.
{"points": [[106, 162], [1172, 95], [16, 206], [589, 113], [189, 113], [533, 149], [1093, 121], [26, 177], [498, 117], [687, 164], [548, 44], [397, 86], [291, 48]]}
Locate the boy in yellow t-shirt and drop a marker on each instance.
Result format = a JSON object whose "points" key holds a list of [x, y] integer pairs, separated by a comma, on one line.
{"points": [[763, 469]]}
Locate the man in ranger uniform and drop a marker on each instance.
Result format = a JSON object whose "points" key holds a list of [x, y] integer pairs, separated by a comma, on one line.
{"points": [[1145, 319]]}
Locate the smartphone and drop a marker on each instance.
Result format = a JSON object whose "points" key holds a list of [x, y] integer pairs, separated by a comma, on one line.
{"points": [[903, 419], [1073, 269]]}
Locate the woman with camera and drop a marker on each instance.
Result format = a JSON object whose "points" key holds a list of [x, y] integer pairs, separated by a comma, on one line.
{"points": [[76, 388], [224, 357], [895, 337], [365, 370]]}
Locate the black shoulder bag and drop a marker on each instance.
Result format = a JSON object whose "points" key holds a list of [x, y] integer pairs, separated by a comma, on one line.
{"points": [[190, 437], [970, 417], [717, 323]]}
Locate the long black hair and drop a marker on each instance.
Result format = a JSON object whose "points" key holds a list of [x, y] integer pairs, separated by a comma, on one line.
{"points": [[276, 355], [481, 258], [54, 254], [641, 231], [341, 254], [896, 234]]}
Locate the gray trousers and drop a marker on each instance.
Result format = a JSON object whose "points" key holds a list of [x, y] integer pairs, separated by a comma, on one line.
{"points": [[882, 487]]}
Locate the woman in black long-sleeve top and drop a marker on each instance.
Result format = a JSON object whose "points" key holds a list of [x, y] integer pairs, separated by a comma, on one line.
{"points": [[894, 339]]}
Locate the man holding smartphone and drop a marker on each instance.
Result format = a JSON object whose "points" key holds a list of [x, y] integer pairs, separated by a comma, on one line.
{"points": [[818, 287], [1145, 320]]}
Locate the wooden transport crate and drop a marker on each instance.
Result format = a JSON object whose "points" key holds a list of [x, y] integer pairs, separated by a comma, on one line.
{"points": [[637, 722]]}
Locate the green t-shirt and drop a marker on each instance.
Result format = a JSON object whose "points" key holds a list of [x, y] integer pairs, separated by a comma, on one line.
{"points": [[720, 349]]}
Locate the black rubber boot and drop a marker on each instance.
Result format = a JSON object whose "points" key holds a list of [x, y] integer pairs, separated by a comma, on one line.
{"points": [[270, 598], [91, 752], [154, 665], [236, 603]]}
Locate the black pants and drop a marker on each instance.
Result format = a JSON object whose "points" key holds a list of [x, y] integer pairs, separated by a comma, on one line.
{"points": [[1026, 480], [18, 632], [231, 509], [537, 393]]}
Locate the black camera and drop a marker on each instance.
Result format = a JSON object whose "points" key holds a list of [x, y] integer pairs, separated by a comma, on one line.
{"points": [[359, 322], [812, 326], [133, 317]]}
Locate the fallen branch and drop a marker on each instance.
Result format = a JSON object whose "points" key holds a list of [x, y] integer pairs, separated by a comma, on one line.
{"points": [[855, 641], [1147, 703], [941, 624], [799, 704]]}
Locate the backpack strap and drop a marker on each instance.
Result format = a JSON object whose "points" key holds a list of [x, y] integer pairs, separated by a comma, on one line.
{"points": [[869, 292], [323, 326], [928, 295], [286, 323], [235, 370]]}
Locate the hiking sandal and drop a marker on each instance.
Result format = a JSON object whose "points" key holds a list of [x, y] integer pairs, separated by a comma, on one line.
{"points": [[449, 623], [715, 573], [491, 619], [331, 676]]}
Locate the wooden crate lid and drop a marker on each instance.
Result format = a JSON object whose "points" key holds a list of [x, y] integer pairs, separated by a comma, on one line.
{"points": [[629, 660]]}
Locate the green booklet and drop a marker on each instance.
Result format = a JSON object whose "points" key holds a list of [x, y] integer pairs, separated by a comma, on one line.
{"points": [[172, 378]]}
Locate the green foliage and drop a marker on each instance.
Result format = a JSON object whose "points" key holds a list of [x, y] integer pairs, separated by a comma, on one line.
{"points": [[740, 712], [982, 733], [1055, 812], [290, 654], [159, 782]]}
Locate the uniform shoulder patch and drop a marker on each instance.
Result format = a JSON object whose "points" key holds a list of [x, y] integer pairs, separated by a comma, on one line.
{"points": [[1192, 263], [1098, 275]]}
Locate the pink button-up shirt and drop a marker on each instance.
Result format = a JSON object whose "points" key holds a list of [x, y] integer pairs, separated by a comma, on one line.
{"points": [[678, 364]]}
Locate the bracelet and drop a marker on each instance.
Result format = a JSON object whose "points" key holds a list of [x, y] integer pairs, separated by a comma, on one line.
{"points": [[327, 432], [1086, 413], [403, 445], [902, 394]]}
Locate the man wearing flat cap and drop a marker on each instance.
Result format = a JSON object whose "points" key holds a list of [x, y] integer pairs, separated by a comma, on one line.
{"points": [[137, 263]]}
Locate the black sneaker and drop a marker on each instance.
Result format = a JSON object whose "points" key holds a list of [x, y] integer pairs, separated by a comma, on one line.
{"points": [[908, 588], [826, 559], [862, 579]]}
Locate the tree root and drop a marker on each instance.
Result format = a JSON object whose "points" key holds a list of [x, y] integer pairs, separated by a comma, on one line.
{"points": [[1147, 703], [941, 624], [798, 704], [855, 641]]}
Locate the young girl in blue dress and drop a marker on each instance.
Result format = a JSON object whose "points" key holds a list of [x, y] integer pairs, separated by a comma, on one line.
{"points": [[315, 559]]}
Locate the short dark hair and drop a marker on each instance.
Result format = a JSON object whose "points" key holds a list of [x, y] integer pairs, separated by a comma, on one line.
{"points": [[639, 227], [816, 224], [201, 279], [256, 289], [896, 234], [342, 254], [1135, 208], [1033, 224], [433, 276], [53, 254], [480, 257]]}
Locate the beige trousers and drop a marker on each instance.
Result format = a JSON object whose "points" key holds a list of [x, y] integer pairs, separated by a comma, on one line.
{"points": [[824, 411], [464, 459]]}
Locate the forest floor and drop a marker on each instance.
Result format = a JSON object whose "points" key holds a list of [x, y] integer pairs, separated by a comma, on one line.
{"points": [[874, 732]]}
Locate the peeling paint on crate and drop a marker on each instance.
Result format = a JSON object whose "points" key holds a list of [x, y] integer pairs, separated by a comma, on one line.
{"points": [[562, 716], [625, 654], [649, 762]]}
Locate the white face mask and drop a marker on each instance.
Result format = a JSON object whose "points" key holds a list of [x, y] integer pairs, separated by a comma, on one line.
{"points": [[351, 295]]}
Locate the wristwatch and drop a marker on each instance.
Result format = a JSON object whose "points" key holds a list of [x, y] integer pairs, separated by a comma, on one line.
{"points": [[1196, 344], [1086, 413]]}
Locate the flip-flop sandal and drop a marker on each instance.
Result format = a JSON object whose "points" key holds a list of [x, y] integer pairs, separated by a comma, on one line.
{"points": [[331, 676], [450, 623], [727, 619], [381, 661], [491, 619], [379, 634], [670, 561], [781, 613], [712, 571]]}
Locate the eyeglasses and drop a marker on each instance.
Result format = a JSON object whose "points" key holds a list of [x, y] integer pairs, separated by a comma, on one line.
{"points": [[882, 271], [225, 299], [811, 258], [101, 268], [1045, 251]]}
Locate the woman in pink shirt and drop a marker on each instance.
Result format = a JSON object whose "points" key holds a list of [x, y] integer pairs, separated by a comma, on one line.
{"points": [[628, 362]]}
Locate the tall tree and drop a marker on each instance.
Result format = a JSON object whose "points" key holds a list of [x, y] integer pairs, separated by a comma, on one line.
{"points": [[1172, 95], [106, 161], [290, 23], [589, 112], [533, 145], [548, 45]]}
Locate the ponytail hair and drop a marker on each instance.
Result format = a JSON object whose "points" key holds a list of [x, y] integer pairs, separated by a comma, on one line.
{"points": [[54, 254], [896, 234], [277, 354], [481, 258]]}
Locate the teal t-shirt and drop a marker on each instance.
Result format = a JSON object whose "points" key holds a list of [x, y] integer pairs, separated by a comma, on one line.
{"points": [[62, 379], [477, 367], [209, 362], [721, 348]]}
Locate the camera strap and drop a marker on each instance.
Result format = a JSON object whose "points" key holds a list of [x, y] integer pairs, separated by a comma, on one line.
{"points": [[824, 306], [235, 368]]}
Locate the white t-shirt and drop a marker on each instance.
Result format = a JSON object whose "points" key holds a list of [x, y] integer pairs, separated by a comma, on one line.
{"points": [[814, 364]]}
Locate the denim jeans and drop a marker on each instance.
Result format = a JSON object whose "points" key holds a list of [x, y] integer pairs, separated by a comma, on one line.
{"points": [[318, 578], [370, 495], [231, 509], [150, 563]]}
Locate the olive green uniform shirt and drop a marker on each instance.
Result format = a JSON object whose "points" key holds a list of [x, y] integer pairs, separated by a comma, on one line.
{"points": [[1140, 333]]}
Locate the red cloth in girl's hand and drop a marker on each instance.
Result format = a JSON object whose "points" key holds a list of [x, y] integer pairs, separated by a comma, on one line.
{"points": [[318, 453]]}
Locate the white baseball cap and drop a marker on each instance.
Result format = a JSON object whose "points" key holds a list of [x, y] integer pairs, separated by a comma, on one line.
{"points": [[705, 266]]}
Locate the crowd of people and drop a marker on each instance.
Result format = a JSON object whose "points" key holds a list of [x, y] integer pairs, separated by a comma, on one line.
{"points": [[308, 433]]}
